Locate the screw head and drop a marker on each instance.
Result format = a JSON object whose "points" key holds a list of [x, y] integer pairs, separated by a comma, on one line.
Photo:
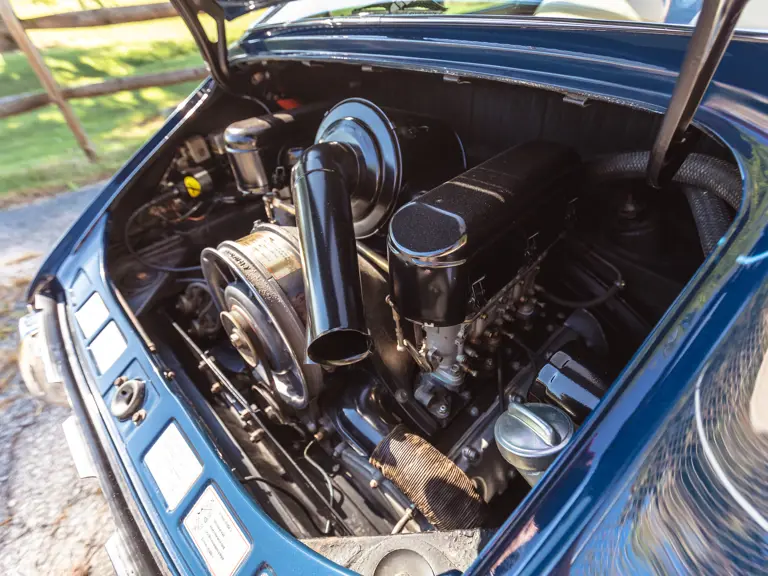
{"points": [[215, 388], [474, 411], [373, 483], [401, 396], [442, 409]]}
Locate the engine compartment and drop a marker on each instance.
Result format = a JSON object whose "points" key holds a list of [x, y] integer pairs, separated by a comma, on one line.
{"points": [[411, 292]]}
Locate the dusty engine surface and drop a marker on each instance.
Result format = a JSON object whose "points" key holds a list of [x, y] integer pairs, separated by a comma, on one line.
{"points": [[387, 310]]}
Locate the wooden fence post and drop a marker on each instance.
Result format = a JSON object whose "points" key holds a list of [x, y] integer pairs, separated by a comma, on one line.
{"points": [[17, 32]]}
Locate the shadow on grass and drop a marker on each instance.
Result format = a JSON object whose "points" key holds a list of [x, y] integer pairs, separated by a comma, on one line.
{"points": [[37, 149]]}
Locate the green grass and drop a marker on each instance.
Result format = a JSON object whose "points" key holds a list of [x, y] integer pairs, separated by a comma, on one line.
{"points": [[37, 151]]}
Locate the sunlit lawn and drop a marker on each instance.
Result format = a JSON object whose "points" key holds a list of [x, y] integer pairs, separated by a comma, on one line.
{"points": [[37, 150]]}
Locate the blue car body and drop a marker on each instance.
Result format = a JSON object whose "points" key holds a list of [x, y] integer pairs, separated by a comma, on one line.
{"points": [[637, 464]]}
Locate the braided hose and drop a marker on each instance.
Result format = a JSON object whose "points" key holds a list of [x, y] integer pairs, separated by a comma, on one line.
{"points": [[709, 184], [705, 172], [710, 214]]}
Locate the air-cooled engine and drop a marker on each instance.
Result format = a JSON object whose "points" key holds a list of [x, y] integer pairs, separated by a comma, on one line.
{"points": [[389, 305]]}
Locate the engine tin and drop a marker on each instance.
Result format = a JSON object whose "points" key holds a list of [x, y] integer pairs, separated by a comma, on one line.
{"points": [[400, 154], [460, 243]]}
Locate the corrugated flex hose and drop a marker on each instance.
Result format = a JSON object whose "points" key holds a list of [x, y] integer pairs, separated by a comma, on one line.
{"points": [[441, 491], [709, 184]]}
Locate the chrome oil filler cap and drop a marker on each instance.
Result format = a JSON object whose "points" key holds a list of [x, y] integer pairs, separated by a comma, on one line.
{"points": [[530, 436]]}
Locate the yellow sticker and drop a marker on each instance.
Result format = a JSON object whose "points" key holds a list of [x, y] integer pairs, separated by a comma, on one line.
{"points": [[193, 186]]}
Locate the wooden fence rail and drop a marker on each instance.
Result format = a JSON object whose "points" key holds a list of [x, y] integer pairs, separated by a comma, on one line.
{"points": [[12, 30], [12, 105], [87, 18]]}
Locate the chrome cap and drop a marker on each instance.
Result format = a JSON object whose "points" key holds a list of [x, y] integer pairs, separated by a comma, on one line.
{"points": [[530, 436]]}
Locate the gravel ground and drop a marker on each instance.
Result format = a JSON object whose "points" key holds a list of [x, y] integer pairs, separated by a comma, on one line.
{"points": [[51, 522]]}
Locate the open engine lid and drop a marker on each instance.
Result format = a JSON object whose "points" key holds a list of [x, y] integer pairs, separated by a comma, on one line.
{"points": [[714, 28], [231, 9]]}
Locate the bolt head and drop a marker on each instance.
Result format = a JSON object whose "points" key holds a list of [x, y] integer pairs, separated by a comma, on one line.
{"points": [[139, 417], [215, 388], [442, 409], [470, 453], [256, 435], [474, 411], [374, 483], [401, 396]]}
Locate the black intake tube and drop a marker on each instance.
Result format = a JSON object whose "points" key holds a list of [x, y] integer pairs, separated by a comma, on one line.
{"points": [[322, 183]]}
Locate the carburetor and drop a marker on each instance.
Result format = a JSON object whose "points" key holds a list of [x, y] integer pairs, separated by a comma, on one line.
{"points": [[464, 254]]}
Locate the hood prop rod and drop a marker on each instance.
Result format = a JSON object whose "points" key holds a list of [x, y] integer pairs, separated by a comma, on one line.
{"points": [[675, 140]]}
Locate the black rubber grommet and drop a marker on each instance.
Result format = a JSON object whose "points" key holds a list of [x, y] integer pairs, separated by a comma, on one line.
{"points": [[128, 399]]}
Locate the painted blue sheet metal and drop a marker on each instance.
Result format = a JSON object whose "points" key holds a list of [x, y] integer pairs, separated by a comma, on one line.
{"points": [[164, 404], [638, 68]]}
